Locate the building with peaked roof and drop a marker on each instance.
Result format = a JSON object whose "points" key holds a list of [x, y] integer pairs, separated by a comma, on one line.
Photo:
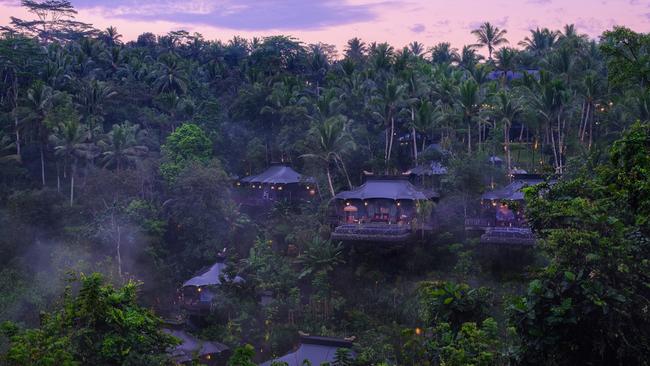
{"points": [[427, 174], [193, 349], [198, 292], [501, 216], [512, 75], [384, 208], [278, 182], [316, 350]]}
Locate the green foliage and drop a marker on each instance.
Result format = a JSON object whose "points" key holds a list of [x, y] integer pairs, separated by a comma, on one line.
{"points": [[242, 356], [453, 303], [185, 145], [100, 325], [588, 305]]}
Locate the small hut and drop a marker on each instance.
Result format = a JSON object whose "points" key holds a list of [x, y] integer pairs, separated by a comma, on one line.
{"points": [[501, 217], [278, 182], [193, 349], [382, 209], [198, 292], [428, 174], [316, 350]]}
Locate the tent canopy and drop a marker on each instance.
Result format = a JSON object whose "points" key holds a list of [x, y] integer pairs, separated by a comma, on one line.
{"points": [[211, 276], [191, 346], [318, 350], [428, 169], [395, 188], [513, 191], [278, 174]]}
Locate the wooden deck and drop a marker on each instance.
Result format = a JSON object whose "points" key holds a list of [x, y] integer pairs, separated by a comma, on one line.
{"points": [[379, 232], [518, 236]]}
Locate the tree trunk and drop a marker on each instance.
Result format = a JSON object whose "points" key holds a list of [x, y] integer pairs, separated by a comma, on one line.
{"points": [[555, 159], [469, 138], [17, 133], [119, 254], [329, 179], [58, 178], [506, 144], [42, 165], [415, 147], [390, 145], [72, 174]]}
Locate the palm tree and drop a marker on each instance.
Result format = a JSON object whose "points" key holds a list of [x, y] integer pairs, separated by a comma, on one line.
{"points": [[111, 36], [490, 36], [506, 60], [443, 53], [92, 99], [469, 58], [506, 111], [171, 75], [121, 146], [355, 50], [540, 40], [416, 48], [320, 255], [469, 101], [387, 103], [332, 143], [40, 98], [70, 142]]}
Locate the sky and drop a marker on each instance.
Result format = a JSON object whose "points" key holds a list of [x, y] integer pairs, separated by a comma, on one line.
{"points": [[398, 22]]}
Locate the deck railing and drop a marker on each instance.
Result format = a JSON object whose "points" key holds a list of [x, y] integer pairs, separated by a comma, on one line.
{"points": [[373, 232], [509, 235], [478, 223]]}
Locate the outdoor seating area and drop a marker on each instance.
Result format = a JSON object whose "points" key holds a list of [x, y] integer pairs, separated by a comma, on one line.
{"points": [[520, 236], [384, 208], [374, 231], [278, 182]]}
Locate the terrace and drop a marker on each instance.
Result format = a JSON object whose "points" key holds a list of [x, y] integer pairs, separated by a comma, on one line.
{"points": [[382, 209], [519, 236], [373, 231]]}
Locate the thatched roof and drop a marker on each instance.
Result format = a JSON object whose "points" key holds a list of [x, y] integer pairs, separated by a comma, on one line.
{"points": [[210, 276], [514, 190], [318, 350], [428, 169], [191, 346], [278, 174], [395, 188]]}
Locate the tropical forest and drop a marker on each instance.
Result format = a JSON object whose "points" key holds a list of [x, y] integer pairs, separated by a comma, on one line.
{"points": [[173, 199]]}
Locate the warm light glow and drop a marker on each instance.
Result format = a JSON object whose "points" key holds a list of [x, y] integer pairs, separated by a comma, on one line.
{"points": [[208, 357], [198, 289], [312, 192], [272, 187], [398, 203], [365, 203], [279, 188], [494, 204], [307, 187], [418, 331], [347, 203]]}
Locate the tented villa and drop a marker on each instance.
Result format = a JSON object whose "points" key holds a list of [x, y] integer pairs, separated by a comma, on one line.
{"points": [[198, 292], [315, 350], [501, 216], [278, 182], [384, 208], [428, 175]]}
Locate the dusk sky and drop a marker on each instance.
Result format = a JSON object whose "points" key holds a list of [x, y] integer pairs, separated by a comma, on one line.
{"points": [[398, 22]]}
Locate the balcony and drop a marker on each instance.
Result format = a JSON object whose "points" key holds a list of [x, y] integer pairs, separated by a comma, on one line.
{"points": [[519, 236], [479, 224], [378, 232]]}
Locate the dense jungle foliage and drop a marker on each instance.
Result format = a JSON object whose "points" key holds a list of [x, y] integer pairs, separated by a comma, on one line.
{"points": [[120, 158]]}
